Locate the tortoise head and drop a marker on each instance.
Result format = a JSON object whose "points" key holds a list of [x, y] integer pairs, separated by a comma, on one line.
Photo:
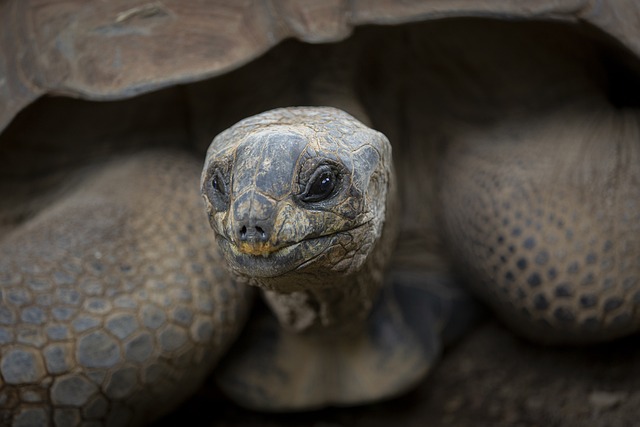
{"points": [[297, 191]]}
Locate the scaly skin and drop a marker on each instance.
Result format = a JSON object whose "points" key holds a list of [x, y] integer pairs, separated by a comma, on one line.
{"points": [[546, 222], [113, 305]]}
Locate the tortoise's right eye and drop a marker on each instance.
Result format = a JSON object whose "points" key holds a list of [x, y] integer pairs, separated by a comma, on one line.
{"points": [[219, 192], [217, 183]]}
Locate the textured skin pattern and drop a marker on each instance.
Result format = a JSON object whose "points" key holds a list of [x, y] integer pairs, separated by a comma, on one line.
{"points": [[545, 216], [113, 305]]}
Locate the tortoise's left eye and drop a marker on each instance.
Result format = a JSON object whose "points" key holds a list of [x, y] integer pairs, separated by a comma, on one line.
{"points": [[321, 185]]}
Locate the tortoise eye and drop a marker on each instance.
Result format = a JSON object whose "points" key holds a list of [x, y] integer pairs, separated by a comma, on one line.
{"points": [[321, 185], [219, 194], [218, 183]]}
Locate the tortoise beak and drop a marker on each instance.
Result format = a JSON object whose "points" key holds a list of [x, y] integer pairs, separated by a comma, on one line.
{"points": [[257, 248]]}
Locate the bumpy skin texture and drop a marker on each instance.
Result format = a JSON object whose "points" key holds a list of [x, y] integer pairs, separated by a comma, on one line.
{"points": [[546, 221], [113, 305]]}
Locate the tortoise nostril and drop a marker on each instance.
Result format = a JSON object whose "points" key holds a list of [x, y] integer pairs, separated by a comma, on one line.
{"points": [[260, 233], [253, 234]]}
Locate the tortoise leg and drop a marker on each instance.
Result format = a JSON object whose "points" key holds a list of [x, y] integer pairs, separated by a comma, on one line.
{"points": [[113, 303], [544, 217]]}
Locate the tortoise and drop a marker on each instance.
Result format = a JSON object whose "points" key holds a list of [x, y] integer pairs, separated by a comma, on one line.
{"points": [[515, 150]]}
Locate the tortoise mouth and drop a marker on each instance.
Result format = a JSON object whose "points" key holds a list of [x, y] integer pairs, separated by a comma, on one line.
{"points": [[274, 263], [301, 256]]}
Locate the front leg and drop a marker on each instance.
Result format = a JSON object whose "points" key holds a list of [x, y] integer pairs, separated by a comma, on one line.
{"points": [[544, 215], [114, 305]]}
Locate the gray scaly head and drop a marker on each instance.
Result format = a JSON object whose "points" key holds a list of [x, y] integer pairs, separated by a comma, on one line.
{"points": [[296, 198]]}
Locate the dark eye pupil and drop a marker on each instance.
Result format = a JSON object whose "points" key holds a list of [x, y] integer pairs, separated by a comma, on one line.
{"points": [[326, 183], [321, 187], [217, 183]]}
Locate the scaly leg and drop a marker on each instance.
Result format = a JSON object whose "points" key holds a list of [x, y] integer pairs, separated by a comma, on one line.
{"points": [[544, 216], [113, 302]]}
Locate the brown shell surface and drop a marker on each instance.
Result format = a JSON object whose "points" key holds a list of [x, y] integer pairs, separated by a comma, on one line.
{"points": [[117, 49]]}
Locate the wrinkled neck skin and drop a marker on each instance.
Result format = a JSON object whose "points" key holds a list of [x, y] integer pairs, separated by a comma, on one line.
{"points": [[327, 303], [334, 308]]}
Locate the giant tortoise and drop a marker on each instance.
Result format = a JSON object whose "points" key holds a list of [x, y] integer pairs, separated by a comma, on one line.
{"points": [[515, 176]]}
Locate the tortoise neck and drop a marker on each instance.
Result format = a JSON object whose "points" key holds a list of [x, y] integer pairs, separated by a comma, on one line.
{"points": [[328, 304], [335, 309]]}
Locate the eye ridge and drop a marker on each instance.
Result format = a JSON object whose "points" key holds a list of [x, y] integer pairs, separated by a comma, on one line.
{"points": [[321, 185]]}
